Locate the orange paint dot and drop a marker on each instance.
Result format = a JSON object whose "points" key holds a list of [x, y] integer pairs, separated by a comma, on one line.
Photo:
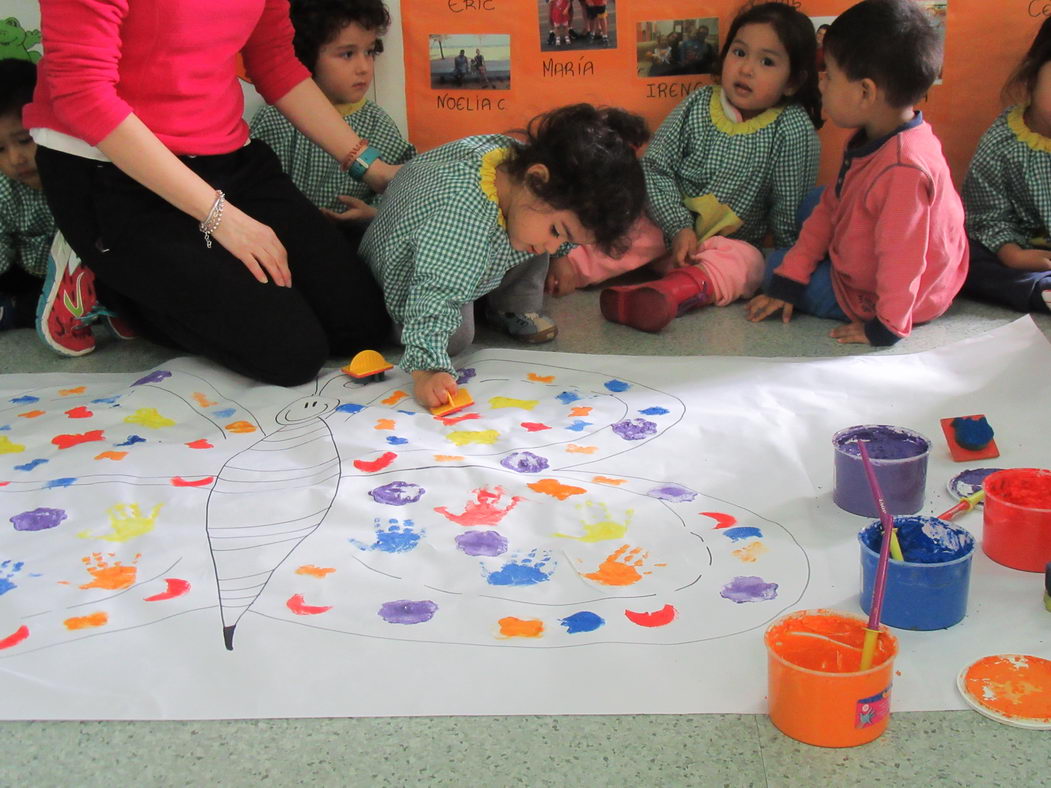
{"points": [[395, 398], [31, 414], [448, 458], [384, 424], [202, 400], [580, 411], [240, 427], [511, 627], [574, 449], [607, 480], [77, 390], [99, 619], [541, 378], [111, 455], [315, 571], [556, 489]]}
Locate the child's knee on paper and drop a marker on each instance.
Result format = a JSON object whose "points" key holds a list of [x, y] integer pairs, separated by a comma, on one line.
{"points": [[735, 268]]}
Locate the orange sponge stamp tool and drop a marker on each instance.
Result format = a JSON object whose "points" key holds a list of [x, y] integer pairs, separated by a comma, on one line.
{"points": [[969, 438], [368, 365], [460, 400]]}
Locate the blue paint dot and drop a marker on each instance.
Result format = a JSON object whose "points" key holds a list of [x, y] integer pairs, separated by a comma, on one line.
{"points": [[30, 465], [567, 397], [743, 532], [408, 412], [5, 427], [654, 411], [225, 413], [578, 425], [63, 482], [394, 440], [105, 400], [131, 440], [350, 407], [25, 400], [617, 385], [584, 621]]}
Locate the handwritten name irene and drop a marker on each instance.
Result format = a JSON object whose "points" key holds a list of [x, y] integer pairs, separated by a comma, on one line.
{"points": [[671, 89]]}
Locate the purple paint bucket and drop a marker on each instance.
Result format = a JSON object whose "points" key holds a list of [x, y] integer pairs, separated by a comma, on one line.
{"points": [[899, 458]]}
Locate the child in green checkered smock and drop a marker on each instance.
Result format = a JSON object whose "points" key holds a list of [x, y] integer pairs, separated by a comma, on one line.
{"points": [[26, 225], [729, 165], [457, 221], [338, 40], [1007, 193]]}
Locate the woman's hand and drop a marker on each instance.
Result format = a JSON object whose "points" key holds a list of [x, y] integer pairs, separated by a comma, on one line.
{"points": [[255, 245], [433, 387]]}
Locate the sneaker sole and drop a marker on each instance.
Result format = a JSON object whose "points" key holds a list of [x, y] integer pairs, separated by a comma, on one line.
{"points": [[48, 295], [539, 337], [638, 307]]}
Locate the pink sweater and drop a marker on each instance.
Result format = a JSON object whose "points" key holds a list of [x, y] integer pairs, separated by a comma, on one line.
{"points": [[171, 62], [893, 229]]}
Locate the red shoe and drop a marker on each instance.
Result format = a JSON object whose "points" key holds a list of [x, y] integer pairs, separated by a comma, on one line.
{"points": [[120, 327], [67, 303], [651, 306]]}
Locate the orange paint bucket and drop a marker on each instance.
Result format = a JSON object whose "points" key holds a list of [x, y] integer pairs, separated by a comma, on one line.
{"points": [[817, 692], [1017, 518]]}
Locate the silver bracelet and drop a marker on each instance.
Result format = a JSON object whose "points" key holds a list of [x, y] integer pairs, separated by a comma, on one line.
{"points": [[211, 222]]}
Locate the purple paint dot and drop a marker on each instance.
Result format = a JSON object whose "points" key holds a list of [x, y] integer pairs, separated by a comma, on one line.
{"points": [[672, 492], [465, 375], [749, 589], [524, 462], [397, 493], [153, 377], [635, 429], [482, 543], [39, 519], [405, 611]]}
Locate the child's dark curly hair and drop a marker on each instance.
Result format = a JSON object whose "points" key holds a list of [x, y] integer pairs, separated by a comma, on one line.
{"points": [[593, 168], [796, 33], [317, 22], [17, 80], [1022, 82]]}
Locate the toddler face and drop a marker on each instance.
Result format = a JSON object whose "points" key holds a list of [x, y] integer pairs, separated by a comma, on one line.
{"points": [[756, 70], [534, 226], [345, 64], [1040, 107], [840, 96], [17, 151]]}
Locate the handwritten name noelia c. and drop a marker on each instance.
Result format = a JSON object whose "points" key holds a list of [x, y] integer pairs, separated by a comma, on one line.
{"points": [[470, 103]]}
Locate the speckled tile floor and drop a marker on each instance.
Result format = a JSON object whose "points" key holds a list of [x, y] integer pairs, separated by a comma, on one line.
{"points": [[922, 749]]}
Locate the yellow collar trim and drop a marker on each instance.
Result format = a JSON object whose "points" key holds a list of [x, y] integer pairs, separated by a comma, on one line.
{"points": [[487, 178], [349, 109], [1016, 122], [728, 126]]}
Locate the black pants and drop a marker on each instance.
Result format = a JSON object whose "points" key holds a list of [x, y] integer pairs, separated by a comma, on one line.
{"points": [[991, 280], [151, 266]]}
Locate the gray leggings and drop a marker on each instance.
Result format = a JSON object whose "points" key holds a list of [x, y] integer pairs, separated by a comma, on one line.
{"points": [[521, 290]]}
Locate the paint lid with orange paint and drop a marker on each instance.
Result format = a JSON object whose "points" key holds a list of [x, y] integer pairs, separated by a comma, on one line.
{"points": [[1011, 688]]}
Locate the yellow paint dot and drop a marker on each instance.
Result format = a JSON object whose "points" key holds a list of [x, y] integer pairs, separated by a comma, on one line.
{"points": [[464, 437], [149, 417], [750, 553], [7, 446], [510, 402]]}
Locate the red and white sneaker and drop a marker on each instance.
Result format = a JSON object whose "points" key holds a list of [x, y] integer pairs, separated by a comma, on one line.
{"points": [[119, 326], [67, 305]]}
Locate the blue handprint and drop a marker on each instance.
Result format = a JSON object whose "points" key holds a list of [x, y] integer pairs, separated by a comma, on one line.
{"points": [[397, 537]]}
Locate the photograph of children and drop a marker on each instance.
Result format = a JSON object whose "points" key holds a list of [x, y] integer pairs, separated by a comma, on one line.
{"points": [[821, 25], [672, 47], [470, 61], [576, 24], [937, 10]]}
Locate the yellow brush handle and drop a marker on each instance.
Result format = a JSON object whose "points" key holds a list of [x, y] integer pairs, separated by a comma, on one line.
{"points": [[868, 648], [895, 546]]}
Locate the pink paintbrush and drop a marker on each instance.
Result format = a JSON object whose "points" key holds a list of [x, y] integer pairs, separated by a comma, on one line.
{"points": [[879, 584]]}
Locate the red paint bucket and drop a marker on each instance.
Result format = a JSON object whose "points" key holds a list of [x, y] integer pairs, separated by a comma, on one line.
{"points": [[1018, 518]]}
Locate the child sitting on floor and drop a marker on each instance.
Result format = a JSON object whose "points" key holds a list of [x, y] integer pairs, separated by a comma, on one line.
{"points": [[1007, 192], [339, 41], [26, 225], [885, 247], [462, 217], [729, 164]]}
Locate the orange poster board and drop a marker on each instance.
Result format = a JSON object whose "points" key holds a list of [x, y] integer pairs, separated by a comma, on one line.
{"points": [[525, 74]]}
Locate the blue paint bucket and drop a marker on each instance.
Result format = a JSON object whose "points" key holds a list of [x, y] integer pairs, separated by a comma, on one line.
{"points": [[928, 590]]}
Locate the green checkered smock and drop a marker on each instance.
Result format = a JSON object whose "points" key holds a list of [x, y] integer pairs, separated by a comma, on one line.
{"points": [[26, 228], [438, 243], [1007, 191], [760, 168], [316, 173]]}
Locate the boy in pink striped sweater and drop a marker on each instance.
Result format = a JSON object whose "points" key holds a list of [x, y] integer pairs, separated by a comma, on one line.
{"points": [[885, 247]]}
